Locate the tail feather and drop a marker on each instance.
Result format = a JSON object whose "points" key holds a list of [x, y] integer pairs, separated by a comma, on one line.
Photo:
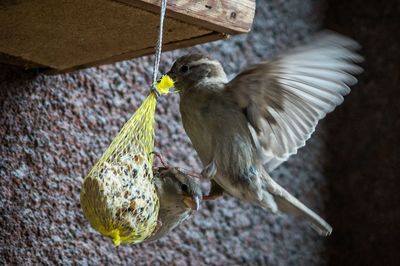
{"points": [[289, 204], [295, 207]]}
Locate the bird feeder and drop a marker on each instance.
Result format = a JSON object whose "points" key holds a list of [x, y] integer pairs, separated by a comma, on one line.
{"points": [[63, 36]]}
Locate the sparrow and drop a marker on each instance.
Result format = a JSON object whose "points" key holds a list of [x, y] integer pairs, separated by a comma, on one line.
{"points": [[180, 195], [244, 128], [118, 202]]}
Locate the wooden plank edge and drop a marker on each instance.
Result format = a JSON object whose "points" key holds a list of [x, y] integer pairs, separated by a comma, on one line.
{"points": [[214, 36], [18, 61], [234, 26]]}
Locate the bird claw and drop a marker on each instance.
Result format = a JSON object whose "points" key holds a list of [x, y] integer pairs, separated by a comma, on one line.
{"points": [[216, 192], [212, 196], [158, 225], [161, 158], [209, 171]]}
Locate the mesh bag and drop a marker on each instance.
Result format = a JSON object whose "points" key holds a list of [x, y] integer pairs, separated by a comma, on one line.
{"points": [[118, 196]]}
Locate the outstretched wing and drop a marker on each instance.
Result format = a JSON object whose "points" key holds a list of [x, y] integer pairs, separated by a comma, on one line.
{"points": [[285, 98]]}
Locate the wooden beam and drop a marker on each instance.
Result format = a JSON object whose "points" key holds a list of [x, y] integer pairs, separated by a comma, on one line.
{"points": [[226, 16], [20, 62], [72, 34], [148, 51]]}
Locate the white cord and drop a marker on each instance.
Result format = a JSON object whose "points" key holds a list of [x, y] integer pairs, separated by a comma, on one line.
{"points": [[158, 46]]}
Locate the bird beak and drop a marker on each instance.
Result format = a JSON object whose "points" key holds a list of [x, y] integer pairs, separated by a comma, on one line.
{"points": [[192, 202], [172, 75]]}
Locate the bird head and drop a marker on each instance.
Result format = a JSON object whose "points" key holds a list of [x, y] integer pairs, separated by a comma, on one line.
{"points": [[179, 189], [179, 194], [193, 69]]}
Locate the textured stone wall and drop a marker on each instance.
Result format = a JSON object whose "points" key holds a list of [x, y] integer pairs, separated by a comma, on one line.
{"points": [[54, 128]]}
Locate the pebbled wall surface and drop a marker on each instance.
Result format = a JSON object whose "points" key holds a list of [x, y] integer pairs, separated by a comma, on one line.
{"points": [[54, 128]]}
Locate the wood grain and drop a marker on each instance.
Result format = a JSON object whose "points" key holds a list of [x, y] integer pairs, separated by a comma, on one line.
{"points": [[73, 34], [68, 33], [136, 53], [227, 16]]}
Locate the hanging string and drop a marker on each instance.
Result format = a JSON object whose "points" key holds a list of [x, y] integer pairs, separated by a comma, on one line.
{"points": [[158, 47]]}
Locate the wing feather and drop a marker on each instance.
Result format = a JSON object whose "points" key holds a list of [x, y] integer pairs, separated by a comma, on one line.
{"points": [[286, 97]]}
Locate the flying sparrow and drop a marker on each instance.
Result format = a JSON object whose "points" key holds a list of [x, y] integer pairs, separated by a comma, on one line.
{"points": [[246, 127], [179, 194]]}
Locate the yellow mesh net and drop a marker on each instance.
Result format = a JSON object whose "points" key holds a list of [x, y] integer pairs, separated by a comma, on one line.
{"points": [[118, 197]]}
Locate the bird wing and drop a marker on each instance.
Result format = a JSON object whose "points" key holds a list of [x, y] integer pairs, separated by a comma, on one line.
{"points": [[283, 99]]}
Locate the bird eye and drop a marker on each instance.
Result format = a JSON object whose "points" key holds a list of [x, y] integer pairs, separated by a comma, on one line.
{"points": [[184, 69], [184, 187]]}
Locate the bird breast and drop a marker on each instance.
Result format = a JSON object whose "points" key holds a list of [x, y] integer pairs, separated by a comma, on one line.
{"points": [[218, 130]]}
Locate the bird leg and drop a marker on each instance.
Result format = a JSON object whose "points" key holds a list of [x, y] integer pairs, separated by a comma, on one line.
{"points": [[210, 170], [161, 158], [215, 192]]}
